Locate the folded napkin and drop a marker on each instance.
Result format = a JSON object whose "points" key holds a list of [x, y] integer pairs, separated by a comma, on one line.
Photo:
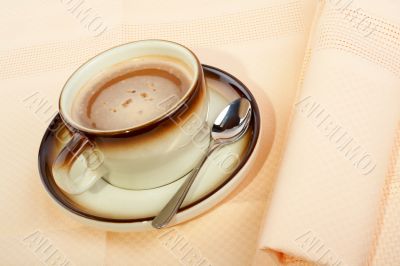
{"points": [[334, 184]]}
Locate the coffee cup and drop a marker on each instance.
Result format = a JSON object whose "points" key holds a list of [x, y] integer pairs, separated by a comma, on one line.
{"points": [[137, 115]]}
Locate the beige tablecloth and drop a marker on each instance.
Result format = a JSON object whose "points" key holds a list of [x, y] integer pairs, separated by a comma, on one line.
{"points": [[263, 43]]}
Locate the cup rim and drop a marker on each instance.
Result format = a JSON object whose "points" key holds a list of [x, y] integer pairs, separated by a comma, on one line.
{"points": [[195, 86]]}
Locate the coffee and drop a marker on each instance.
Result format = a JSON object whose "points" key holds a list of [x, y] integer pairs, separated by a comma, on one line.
{"points": [[131, 93]]}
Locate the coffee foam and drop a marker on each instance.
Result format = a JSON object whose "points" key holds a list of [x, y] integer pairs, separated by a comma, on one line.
{"points": [[131, 93]]}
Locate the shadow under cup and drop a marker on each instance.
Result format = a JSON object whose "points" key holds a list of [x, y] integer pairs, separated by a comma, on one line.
{"points": [[149, 155]]}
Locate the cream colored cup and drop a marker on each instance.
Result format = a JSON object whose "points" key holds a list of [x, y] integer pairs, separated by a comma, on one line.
{"points": [[153, 154]]}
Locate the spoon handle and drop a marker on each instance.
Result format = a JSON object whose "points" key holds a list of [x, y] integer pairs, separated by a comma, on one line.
{"points": [[172, 207]]}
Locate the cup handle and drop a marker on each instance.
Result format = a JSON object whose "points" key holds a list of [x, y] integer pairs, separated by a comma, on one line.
{"points": [[77, 146]]}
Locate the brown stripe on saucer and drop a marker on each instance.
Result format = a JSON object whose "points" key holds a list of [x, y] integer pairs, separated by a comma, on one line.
{"points": [[47, 149]]}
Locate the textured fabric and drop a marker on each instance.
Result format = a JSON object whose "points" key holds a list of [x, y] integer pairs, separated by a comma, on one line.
{"points": [[335, 201], [264, 44], [43, 42]]}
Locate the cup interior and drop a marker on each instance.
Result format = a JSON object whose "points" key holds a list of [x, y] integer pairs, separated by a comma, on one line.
{"points": [[117, 55]]}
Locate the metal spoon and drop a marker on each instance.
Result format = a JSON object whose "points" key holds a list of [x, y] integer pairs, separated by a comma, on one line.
{"points": [[230, 126]]}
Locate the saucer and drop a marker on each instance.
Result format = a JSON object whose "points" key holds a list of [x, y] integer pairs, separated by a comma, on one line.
{"points": [[118, 209]]}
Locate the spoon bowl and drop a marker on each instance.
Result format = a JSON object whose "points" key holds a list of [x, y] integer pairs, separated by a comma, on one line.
{"points": [[232, 122]]}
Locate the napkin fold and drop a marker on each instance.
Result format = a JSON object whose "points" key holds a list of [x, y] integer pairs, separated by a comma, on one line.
{"points": [[327, 202]]}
